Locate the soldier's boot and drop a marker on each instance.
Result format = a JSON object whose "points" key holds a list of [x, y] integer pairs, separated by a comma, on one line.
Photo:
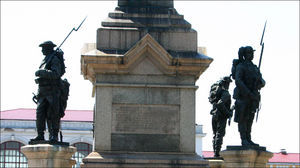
{"points": [[244, 139], [217, 151], [214, 145], [250, 141], [54, 136], [39, 137]]}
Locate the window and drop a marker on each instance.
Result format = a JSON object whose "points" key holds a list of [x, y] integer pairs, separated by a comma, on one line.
{"points": [[83, 149], [10, 155]]}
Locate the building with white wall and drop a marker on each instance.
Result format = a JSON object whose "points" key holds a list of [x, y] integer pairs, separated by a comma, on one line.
{"points": [[18, 127]]}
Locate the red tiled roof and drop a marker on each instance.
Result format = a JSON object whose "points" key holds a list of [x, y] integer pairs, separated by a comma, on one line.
{"points": [[208, 154], [29, 114], [277, 157], [285, 158]]}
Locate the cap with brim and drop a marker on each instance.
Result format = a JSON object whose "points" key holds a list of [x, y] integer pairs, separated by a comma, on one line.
{"points": [[47, 44], [226, 79]]}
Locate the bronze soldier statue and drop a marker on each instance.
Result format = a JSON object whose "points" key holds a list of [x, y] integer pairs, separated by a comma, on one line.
{"points": [[249, 81], [52, 92], [220, 98]]}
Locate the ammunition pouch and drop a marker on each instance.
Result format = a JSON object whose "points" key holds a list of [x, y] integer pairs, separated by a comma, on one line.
{"points": [[47, 82]]}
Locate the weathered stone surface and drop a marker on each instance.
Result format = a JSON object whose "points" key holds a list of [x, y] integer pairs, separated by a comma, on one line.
{"points": [[255, 158], [95, 62], [143, 160], [215, 162], [145, 119], [144, 66], [46, 155], [145, 95], [187, 120], [102, 117], [146, 79], [145, 142], [171, 40]]}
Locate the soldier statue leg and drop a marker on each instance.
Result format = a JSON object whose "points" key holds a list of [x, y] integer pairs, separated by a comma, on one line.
{"points": [[55, 121], [249, 126], [55, 129], [241, 109], [41, 113], [219, 136], [214, 128]]}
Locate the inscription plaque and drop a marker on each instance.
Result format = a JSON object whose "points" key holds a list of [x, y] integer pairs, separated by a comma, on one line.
{"points": [[145, 119]]}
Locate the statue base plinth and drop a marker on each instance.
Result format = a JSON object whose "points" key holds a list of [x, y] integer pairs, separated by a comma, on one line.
{"points": [[142, 160], [215, 162], [47, 155], [245, 156]]}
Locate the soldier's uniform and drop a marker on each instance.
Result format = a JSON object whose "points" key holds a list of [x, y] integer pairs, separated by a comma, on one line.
{"points": [[49, 107], [220, 113], [249, 81]]}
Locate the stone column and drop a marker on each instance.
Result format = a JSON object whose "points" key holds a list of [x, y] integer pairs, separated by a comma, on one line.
{"points": [[239, 156], [46, 155]]}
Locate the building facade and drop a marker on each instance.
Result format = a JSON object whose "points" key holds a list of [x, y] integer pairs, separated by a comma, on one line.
{"points": [[18, 127]]}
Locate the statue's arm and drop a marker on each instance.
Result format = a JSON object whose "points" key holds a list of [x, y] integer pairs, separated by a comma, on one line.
{"points": [[239, 81], [262, 82], [54, 72], [225, 97]]}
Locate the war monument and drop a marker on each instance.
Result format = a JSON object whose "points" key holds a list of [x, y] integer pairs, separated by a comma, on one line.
{"points": [[143, 67]]}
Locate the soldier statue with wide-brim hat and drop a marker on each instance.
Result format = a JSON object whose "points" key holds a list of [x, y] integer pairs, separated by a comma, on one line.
{"points": [[50, 103]]}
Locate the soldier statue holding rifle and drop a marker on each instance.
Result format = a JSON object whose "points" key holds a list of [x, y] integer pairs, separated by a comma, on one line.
{"points": [[53, 92], [249, 81]]}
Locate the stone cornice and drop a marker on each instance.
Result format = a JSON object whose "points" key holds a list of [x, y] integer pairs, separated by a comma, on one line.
{"points": [[95, 62]]}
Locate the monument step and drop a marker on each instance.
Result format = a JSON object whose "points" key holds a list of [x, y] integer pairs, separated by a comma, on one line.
{"points": [[142, 160]]}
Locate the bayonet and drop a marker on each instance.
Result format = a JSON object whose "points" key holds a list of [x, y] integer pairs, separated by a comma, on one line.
{"points": [[262, 44], [71, 32], [260, 58]]}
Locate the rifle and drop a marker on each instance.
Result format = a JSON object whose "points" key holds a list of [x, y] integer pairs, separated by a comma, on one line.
{"points": [[58, 48], [262, 44], [70, 33]]}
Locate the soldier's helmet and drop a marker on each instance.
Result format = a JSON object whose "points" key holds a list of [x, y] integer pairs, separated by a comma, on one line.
{"points": [[48, 44], [248, 49], [226, 79]]}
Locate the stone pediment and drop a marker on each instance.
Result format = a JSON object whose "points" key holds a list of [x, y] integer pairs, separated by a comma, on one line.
{"points": [[147, 56]]}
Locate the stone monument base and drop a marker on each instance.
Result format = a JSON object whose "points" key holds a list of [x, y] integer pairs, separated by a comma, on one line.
{"points": [[47, 155], [215, 162], [241, 156], [143, 160]]}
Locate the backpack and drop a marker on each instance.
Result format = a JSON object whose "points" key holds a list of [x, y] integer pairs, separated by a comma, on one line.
{"points": [[235, 62], [64, 87]]}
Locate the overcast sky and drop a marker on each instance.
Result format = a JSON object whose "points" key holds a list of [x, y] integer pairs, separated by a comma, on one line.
{"points": [[222, 28]]}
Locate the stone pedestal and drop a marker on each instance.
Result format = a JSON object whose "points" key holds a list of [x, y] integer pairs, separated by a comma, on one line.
{"points": [[215, 162], [251, 157], [46, 155], [144, 67], [143, 160]]}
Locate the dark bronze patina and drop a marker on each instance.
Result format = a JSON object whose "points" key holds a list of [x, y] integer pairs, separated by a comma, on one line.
{"points": [[249, 81], [52, 92], [221, 101]]}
